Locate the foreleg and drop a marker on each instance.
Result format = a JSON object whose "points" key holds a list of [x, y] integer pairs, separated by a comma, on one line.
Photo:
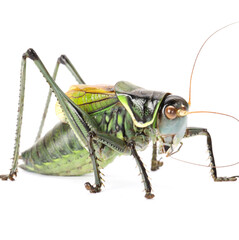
{"points": [[190, 132]]}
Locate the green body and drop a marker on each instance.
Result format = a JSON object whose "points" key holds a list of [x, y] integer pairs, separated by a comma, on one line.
{"points": [[60, 153], [99, 123]]}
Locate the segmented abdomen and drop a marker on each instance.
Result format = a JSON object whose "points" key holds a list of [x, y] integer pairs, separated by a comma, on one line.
{"points": [[59, 153]]}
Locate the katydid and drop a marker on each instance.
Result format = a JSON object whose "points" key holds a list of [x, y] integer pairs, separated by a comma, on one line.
{"points": [[99, 123]]}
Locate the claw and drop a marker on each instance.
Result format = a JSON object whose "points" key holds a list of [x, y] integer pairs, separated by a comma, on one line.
{"points": [[9, 176], [226, 179], [91, 188], [149, 195], [6, 177]]}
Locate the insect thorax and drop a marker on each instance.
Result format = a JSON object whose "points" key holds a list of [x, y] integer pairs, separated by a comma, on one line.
{"points": [[117, 121]]}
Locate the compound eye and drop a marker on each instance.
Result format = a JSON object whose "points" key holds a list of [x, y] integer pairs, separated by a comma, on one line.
{"points": [[170, 112]]}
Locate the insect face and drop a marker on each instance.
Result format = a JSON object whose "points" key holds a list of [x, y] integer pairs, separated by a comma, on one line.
{"points": [[171, 124]]}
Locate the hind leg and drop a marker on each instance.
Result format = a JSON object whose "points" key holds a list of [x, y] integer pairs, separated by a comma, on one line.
{"points": [[65, 61], [61, 60]]}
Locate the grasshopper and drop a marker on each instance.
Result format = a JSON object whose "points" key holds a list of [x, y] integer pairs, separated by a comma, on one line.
{"points": [[99, 123]]}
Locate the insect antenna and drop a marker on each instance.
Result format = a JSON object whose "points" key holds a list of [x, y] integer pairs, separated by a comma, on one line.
{"points": [[203, 165], [190, 85], [224, 114], [182, 113]]}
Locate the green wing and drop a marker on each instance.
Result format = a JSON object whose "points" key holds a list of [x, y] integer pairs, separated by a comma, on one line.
{"points": [[91, 99]]}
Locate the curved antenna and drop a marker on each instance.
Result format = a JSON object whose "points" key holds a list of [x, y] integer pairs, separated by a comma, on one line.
{"points": [[182, 113], [203, 165], [190, 85], [224, 114]]}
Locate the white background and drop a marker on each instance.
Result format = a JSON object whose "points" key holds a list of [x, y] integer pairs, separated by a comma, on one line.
{"points": [[149, 43]]}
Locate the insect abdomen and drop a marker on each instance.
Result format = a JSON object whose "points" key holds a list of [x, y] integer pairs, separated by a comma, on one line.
{"points": [[59, 153]]}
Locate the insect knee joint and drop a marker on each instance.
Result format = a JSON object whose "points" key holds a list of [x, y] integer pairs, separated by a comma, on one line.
{"points": [[62, 59], [91, 134], [131, 144], [32, 54]]}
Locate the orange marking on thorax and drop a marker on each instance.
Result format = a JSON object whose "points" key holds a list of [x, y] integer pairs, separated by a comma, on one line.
{"points": [[105, 89]]}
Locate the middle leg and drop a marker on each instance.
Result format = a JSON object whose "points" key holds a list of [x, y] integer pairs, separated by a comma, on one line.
{"points": [[147, 184], [155, 164]]}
